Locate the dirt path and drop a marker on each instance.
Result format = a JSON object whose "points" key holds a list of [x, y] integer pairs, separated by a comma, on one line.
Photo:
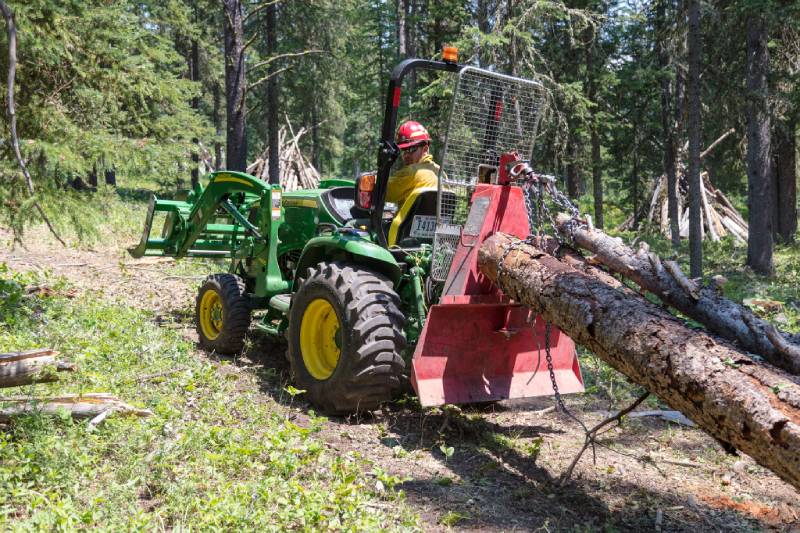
{"points": [[492, 470]]}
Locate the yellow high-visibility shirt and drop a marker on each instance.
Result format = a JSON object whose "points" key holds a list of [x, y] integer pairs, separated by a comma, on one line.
{"points": [[410, 177]]}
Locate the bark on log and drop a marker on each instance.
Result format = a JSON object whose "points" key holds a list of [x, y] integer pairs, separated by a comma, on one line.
{"points": [[752, 406], [720, 315], [77, 405], [35, 366]]}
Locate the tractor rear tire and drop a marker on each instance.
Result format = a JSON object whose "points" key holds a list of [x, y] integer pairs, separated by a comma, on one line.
{"points": [[222, 313], [345, 338]]}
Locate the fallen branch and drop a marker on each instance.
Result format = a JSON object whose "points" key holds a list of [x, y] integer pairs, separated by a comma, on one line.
{"points": [[34, 366], [592, 434], [76, 405], [751, 406]]}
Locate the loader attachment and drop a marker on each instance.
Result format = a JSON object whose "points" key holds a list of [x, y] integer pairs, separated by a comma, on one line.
{"points": [[211, 222], [477, 345]]}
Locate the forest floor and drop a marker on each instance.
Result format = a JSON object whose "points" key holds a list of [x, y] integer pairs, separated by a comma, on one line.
{"points": [[489, 469]]}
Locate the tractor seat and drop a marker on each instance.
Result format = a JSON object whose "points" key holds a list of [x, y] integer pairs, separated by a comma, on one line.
{"points": [[420, 203], [340, 203]]}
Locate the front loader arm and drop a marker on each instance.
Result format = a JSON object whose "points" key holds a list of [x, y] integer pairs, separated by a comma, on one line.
{"points": [[196, 227]]}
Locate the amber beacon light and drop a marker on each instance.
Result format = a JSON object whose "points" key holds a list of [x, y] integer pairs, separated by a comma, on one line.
{"points": [[450, 54]]}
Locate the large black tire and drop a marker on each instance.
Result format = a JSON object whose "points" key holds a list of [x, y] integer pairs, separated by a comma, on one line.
{"points": [[369, 337], [222, 313]]}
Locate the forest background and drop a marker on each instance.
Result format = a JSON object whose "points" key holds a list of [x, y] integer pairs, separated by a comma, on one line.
{"points": [[151, 95], [168, 90]]}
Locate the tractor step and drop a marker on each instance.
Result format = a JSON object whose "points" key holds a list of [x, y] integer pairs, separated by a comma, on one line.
{"points": [[281, 303]]}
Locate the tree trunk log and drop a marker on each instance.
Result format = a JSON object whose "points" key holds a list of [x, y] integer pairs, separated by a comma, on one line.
{"points": [[720, 315], [35, 366], [77, 405], [753, 407]]}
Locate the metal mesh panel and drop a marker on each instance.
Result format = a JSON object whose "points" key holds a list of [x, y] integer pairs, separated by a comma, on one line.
{"points": [[491, 114]]}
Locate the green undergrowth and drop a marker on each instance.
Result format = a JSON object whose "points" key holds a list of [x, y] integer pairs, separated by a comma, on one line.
{"points": [[215, 455], [107, 215]]}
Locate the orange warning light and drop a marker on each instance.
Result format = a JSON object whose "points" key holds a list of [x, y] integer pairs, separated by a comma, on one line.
{"points": [[450, 54]]}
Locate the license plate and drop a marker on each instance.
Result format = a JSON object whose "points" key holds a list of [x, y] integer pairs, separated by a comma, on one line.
{"points": [[423, 227]]}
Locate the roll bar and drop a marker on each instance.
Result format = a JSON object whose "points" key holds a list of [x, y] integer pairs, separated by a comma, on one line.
{"points": [[388, 150]]}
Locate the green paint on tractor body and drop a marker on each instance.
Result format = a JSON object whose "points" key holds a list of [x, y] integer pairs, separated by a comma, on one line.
{"points": [[272, 237]]}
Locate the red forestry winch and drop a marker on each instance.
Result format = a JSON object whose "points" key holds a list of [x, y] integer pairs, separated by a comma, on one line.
{"points": [[477, 345]]}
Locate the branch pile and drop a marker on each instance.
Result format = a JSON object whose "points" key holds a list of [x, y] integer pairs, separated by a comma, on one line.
{"points": [[296, 171], [718, 215], [751, 405]]}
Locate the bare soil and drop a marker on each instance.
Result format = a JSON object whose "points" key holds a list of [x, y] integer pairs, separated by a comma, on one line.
{"points": [[503, 471]]}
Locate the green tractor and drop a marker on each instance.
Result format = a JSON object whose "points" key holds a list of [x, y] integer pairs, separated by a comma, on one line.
{"points": [[369, 298]]}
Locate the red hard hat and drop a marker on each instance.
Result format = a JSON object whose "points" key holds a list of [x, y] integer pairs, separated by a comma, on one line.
{"points": [[411, 133]]}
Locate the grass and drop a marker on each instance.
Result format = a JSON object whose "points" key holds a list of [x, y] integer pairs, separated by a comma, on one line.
{"points": [[216, 454]]}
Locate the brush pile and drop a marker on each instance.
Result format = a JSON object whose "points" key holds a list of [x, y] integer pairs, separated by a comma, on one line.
{"points": [[296, 171], [719, 216]]}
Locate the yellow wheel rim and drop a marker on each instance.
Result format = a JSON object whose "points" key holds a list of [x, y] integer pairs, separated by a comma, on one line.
{"points": [[320, 339], [211, 314]]}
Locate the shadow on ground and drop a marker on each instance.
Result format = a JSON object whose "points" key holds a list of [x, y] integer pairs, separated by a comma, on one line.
{"points": [[488, 482]]}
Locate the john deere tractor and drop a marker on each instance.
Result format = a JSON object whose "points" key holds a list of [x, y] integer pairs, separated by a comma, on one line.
{"points": [[368, 297]]}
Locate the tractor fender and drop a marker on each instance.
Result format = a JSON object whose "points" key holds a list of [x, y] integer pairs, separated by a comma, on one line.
{"points": [[350, 248]]}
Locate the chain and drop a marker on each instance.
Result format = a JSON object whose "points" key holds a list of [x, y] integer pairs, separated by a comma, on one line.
{"points": [[534, 186]]}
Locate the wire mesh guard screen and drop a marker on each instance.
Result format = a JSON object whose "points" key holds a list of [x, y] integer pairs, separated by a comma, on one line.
{"points": [[491, 114]]}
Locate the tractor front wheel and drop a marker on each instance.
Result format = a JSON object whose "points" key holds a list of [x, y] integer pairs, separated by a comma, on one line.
{"points": [[345, 338], [222, 313]]}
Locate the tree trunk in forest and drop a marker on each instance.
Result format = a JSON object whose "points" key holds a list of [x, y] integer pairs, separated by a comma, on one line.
{"points": [[34, 366], [680, 86], [272, 96], [597, 174], [512, 41], [194, 75], [402, 9], [694, 131], [315, 144], [785, 181], [411, 40], [574, 172], [236, 138], [666, 123], [217, 128], [759, 198], [482, 14], [597, 162], [635, 178], [753, 407], [705, 304]]}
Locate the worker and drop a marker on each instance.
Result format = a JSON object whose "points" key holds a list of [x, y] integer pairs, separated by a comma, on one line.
{"points": [[418, 170]]}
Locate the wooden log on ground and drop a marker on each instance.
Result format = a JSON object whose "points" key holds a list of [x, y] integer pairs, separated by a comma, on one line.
{"points": [[77, 405], [720, 315], [752, 406], [34, 366]]}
